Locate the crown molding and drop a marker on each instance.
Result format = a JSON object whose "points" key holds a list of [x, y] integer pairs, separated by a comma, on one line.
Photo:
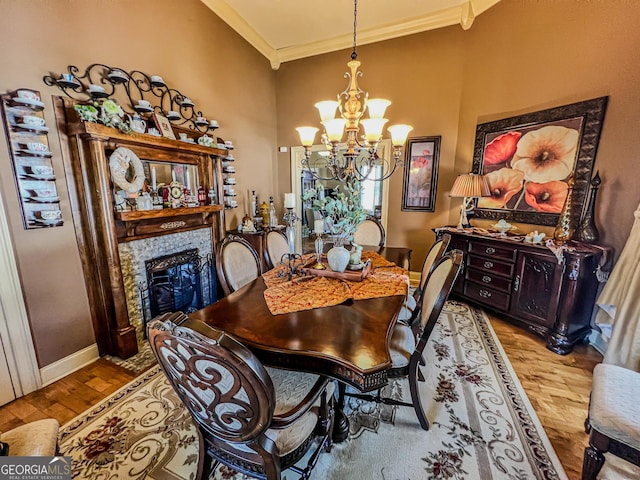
{"points": [[463, 14]]}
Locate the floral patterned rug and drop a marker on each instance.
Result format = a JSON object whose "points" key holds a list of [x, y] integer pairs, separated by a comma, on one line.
{"points": [[482, 424]]}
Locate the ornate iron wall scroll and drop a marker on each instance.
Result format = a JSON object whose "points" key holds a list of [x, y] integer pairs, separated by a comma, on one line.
{"points": [[134, 91]]}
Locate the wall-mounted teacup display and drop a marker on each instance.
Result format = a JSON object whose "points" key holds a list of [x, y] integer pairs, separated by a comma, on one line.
{"points": [[186, 102], [201, 120], [32, 121], [214, 124], [144, 104], [117, 75], [28, 95], [157, 79], [229, 144], [37, 147]]}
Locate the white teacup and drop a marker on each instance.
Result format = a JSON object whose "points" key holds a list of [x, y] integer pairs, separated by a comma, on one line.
{"points": [[153, 131], [42, 169], [28, 95], [201, 120], [205, 141], [50, 214], [44, 192], [37, 147], [117, 74], [157, 79], [183, 136], [93, 88], [186, 101], [213, 124], [144, 103], [33, 121], [67, 77], [171, 114]]}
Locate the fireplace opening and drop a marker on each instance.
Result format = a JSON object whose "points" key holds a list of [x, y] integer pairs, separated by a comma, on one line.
{"points": [[182, 281]]}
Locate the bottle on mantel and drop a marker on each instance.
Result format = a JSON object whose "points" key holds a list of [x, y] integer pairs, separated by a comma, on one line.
{"points": [[273, 217], [211, 196], [202, 196]]}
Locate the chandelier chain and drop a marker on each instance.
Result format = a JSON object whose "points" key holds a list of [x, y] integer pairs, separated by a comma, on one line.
{"points": [[354, 55]]}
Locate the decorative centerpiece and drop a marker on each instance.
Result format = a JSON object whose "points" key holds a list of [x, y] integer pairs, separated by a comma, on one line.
{"points": [[343, 214]]}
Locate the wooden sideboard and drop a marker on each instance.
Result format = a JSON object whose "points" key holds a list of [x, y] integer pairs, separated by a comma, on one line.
{"points": [[530, 286]]}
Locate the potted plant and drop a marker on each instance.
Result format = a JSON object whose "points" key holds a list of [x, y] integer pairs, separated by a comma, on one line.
{"points": [[343, 213]]}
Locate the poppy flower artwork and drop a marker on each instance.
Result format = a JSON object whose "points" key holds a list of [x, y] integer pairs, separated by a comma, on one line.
{"points": [[527, 161]]}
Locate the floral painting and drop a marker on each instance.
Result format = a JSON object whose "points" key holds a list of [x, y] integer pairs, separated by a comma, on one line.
{"points": [[528, 160], [420, 173]]}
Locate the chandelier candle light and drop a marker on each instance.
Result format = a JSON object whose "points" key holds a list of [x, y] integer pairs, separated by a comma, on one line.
{"points": [[351, 104], [469, 186]]}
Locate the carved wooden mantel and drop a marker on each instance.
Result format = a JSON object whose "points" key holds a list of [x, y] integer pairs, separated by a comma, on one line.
{"points": [[100, 228]]}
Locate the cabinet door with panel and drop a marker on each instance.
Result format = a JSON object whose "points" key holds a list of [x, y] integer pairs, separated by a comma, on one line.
{"points": [[536, 288]]}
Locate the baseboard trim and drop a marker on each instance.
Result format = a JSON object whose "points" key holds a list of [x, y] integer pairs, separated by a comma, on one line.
{"points": [[65, 366], [598, 341]]}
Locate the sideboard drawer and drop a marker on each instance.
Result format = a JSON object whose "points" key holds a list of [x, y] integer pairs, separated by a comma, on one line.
{"points": [[483, 294], [492, 250], [490, 265], [490, 280]]}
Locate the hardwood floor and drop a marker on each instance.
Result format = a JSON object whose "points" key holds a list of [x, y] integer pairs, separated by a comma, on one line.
{"points": [[557, 386]]}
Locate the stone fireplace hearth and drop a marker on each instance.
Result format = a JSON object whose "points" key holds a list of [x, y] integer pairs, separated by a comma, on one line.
{"points": [[185, 248]]}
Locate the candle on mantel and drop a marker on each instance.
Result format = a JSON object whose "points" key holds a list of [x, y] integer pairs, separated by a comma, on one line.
{"points": [[188, 180], [289, 200], [318, 226], [173, 175], [153, 178]]}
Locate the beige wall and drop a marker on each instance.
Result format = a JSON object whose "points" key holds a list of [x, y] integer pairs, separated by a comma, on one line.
{"points": [[194, 51], [519, 56]]}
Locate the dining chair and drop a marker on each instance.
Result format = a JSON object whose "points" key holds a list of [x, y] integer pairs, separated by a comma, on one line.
{"points": [[370, 232], [408, 342], [237, 263], [275, 246], [256, 420], [613, 424], [410, 311]]}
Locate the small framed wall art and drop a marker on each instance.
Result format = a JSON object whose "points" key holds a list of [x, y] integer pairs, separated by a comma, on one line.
{"points": [[421, 174]]}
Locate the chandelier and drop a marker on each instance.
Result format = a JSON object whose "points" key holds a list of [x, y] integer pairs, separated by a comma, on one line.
{"points": [[357, 157]]}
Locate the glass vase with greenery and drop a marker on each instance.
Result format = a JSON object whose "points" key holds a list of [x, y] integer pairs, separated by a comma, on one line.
{"points": [[342, 211]]}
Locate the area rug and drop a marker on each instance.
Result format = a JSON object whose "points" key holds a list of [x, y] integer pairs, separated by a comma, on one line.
{"points": [[482, 424]]}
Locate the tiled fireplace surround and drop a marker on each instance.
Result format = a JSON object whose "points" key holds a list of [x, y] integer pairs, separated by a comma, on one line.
{"points": [[133, 256]]}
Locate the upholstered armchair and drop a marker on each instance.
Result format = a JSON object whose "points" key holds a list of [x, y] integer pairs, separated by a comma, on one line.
{"points": [[613, 425], [39, 438], [257, 420]]}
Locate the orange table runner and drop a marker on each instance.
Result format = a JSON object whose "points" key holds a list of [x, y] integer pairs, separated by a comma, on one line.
{"points": [[306, 293]]}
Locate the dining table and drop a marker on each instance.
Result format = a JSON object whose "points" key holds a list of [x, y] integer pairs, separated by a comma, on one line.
{"points": [[348, 341]]}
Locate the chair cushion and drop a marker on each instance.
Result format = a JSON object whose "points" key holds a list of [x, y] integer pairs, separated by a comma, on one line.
{"points": [[615, 410], [403, 343], [407, 309], [290, 387], [39, 438]]}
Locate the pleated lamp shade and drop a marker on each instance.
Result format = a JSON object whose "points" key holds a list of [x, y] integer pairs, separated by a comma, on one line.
{"points": [[470, 185]]}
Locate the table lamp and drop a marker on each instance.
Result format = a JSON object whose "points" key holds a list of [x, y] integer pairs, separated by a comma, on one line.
{"points": [[469, 186]]}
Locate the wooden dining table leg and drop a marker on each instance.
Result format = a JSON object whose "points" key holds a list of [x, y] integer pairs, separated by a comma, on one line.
{"points": [[341, 422]]}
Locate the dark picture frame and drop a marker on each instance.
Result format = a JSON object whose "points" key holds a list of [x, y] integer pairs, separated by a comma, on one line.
{"points": [[422, 155], [528, 159]]}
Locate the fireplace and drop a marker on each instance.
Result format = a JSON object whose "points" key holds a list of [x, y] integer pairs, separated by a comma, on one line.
{"points": [[182, 281], [167, 273]]}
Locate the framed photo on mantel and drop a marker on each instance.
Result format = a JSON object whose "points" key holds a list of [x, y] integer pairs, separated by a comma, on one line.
{"points": [[164, 125], [421, 174], [528, 160]]}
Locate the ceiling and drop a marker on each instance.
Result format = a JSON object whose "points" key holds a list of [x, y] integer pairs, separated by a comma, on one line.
{"points": [[284, 30]]}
